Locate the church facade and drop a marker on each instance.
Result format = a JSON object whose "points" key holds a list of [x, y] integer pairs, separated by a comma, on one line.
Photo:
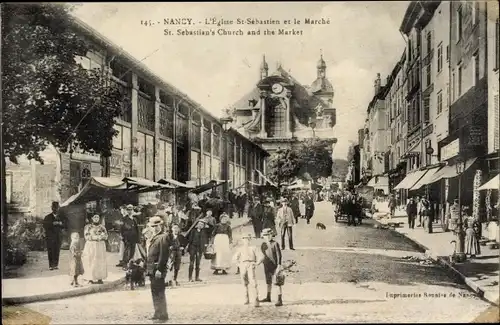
{"points": [[280, 112]]}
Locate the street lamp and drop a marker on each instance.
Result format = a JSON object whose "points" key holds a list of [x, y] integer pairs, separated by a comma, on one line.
{"points": [[226, 125], [460, 168]]}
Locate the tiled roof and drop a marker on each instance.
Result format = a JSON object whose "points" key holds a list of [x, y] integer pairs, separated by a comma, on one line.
{"points": [[321, 85]]}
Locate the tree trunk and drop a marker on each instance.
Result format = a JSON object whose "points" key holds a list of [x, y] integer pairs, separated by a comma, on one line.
{"points": [[5, 211]]}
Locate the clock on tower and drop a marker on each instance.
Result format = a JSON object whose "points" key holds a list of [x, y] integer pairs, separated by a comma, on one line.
{"points": [[277, 88]]}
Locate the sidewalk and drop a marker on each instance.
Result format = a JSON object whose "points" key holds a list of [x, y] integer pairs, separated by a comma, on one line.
{"points": [[35, 282], [481, 273]]}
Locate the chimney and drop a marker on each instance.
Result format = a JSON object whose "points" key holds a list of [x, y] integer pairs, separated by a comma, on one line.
{"points": [[377, 84]]}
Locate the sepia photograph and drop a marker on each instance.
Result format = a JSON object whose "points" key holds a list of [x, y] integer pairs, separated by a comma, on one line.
{"points": [[250, 162]]}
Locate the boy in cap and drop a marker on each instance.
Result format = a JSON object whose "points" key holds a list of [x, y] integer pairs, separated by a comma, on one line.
{"points": [[248, 257], [272, 263], [197, 242]]}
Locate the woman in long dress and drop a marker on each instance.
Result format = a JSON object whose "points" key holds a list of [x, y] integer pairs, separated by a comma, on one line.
{"points": [[94, 253], [472, 247], [222, 240], [302, 207]]}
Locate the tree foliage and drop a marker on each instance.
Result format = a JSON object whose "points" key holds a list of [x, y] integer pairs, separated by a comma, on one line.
{"points": [[310, 160], [283, 165], [48, 97]]}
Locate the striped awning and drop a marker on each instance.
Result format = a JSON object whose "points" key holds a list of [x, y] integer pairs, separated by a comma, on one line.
{"points": [[410, 180], [426, 179]]}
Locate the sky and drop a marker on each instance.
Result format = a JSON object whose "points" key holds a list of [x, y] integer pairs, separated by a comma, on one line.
{"points": [[361, 40]]}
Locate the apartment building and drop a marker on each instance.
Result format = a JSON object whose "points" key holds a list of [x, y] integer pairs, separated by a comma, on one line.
{"points": [[378, 127], [493, 59]]}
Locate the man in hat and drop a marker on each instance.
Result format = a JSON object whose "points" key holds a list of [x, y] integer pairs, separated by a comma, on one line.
{"points": [[130, 235], [272, 263], [255, 212], [156, 267], [53, 226], [285, 223], [268, 216], [197, 243], [247, 258]]}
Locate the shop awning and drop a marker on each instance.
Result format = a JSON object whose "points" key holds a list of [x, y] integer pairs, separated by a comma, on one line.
{"points": [[95, 189], [144, 185], [450, 171], [266, 179], [410, 180], [426, 179], [492, 184], [207, 186], [174, 183], [379, 183]]}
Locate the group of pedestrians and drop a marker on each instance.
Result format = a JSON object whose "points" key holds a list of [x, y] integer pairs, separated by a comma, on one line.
{"points": [[91, 261]]}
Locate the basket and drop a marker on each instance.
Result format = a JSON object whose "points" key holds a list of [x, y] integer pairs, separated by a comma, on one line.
{"points": [[279, 279], [209, 252]]}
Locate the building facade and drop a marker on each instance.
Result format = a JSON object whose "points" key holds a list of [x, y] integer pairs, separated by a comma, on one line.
{"points": [[280, 112], [378, 127], [162, 133]]}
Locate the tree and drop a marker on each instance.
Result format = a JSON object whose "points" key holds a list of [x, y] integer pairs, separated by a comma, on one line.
{"points": [[315, 157], [310, 160], [283, 166], [48, 98]]}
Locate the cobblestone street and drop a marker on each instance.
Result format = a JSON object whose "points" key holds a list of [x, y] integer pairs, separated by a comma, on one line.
{"points": [[342, 274]]}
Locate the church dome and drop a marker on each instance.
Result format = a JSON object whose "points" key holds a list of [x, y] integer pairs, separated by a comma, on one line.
{"points": [[321, 85], [321, 63]]}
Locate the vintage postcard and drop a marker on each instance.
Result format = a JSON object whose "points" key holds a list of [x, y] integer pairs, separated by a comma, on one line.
{"points": [[250, 162]]}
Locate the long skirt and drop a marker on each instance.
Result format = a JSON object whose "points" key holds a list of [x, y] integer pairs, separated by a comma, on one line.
{"points": [[94, 260], [471, 243], [302, 209], [223, 257]]}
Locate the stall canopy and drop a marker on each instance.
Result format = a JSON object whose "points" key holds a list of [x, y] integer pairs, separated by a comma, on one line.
{"points": [[450, 171], [426, 179], [492, 184], [379, 183], [410, 180], [267, 179], [95, 189], [205, 187], [142, 185], [173, 182]]}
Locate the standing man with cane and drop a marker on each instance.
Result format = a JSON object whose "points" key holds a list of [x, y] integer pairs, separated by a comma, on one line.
{"points": [[285, 223], [156, 268]]}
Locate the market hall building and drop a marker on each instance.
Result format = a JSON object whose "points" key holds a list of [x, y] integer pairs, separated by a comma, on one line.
{"points": [[162, 134]]}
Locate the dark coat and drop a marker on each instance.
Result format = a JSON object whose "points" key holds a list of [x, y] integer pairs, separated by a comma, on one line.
{"points": [[53, 231], [197, 240], [411, 209], [295, 207], [309, 207], [129, 230], [158, 254], [268, 218]]}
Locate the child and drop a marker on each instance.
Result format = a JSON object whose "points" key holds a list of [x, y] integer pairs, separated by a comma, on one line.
{"points": [[176, 250], [135, 274], [197, 243], [272, 264], [75, 262], [248, 257]]}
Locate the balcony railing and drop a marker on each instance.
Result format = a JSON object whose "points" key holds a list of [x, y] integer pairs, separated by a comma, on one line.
{"points": [[166, 122]]}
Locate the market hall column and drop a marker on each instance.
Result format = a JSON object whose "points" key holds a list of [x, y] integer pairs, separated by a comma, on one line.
{"points": [[135, 121]]}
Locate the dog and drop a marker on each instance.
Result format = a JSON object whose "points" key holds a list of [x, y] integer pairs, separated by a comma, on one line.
{"points": [[135, 275], [320, 226]]}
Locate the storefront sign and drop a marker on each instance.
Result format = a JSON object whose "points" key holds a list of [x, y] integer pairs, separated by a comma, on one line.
{"points": [[475, 137], [450, 150]]}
